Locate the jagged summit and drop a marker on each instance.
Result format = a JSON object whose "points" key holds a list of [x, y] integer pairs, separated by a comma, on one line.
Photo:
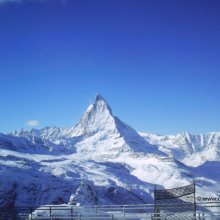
{"points": [[99, 97], [97, 117], [101, 103]]}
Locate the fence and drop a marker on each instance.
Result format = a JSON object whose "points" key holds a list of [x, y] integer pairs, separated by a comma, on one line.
{"points": [[170, 202], [79, 213], [206, 211]]}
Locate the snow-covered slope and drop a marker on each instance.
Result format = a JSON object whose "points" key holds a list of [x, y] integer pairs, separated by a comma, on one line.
{"points": [[101, 160]]}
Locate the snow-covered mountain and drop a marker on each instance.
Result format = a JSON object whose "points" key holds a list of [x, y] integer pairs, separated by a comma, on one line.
{"points": [[101, 160], [98, 134], [192, 150]]}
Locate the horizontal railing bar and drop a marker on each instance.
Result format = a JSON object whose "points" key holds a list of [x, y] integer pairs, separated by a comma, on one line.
{"points": [[132, 205]]}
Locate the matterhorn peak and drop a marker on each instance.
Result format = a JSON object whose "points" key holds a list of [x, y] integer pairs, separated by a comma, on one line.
{"points": [[100, 104], [98, 117], [98, 126], [99, 97]]}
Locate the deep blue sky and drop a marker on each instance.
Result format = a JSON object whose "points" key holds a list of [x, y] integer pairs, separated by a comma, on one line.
{"points": [[156, 62]]}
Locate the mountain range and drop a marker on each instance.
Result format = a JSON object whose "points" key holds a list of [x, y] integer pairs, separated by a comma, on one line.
{"points": [[102, 160]]}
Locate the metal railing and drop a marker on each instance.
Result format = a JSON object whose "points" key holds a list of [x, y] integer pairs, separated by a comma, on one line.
{"points": [[113, 212]]}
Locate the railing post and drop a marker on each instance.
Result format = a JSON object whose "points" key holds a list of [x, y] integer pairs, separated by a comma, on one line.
{"points": [[123, 212], [71, 213], [112, 217], [194, 196], [51, 213], [203, 216], [194, 216], [96, 211]]}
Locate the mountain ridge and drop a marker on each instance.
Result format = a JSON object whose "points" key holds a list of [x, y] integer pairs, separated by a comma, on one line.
{"points": [[101, 158]]}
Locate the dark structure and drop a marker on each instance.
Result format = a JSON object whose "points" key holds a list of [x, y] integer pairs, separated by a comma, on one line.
{"points": [[174, 203]]}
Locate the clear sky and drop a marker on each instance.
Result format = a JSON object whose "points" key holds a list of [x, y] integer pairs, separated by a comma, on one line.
{"points": [[156, 62]]}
